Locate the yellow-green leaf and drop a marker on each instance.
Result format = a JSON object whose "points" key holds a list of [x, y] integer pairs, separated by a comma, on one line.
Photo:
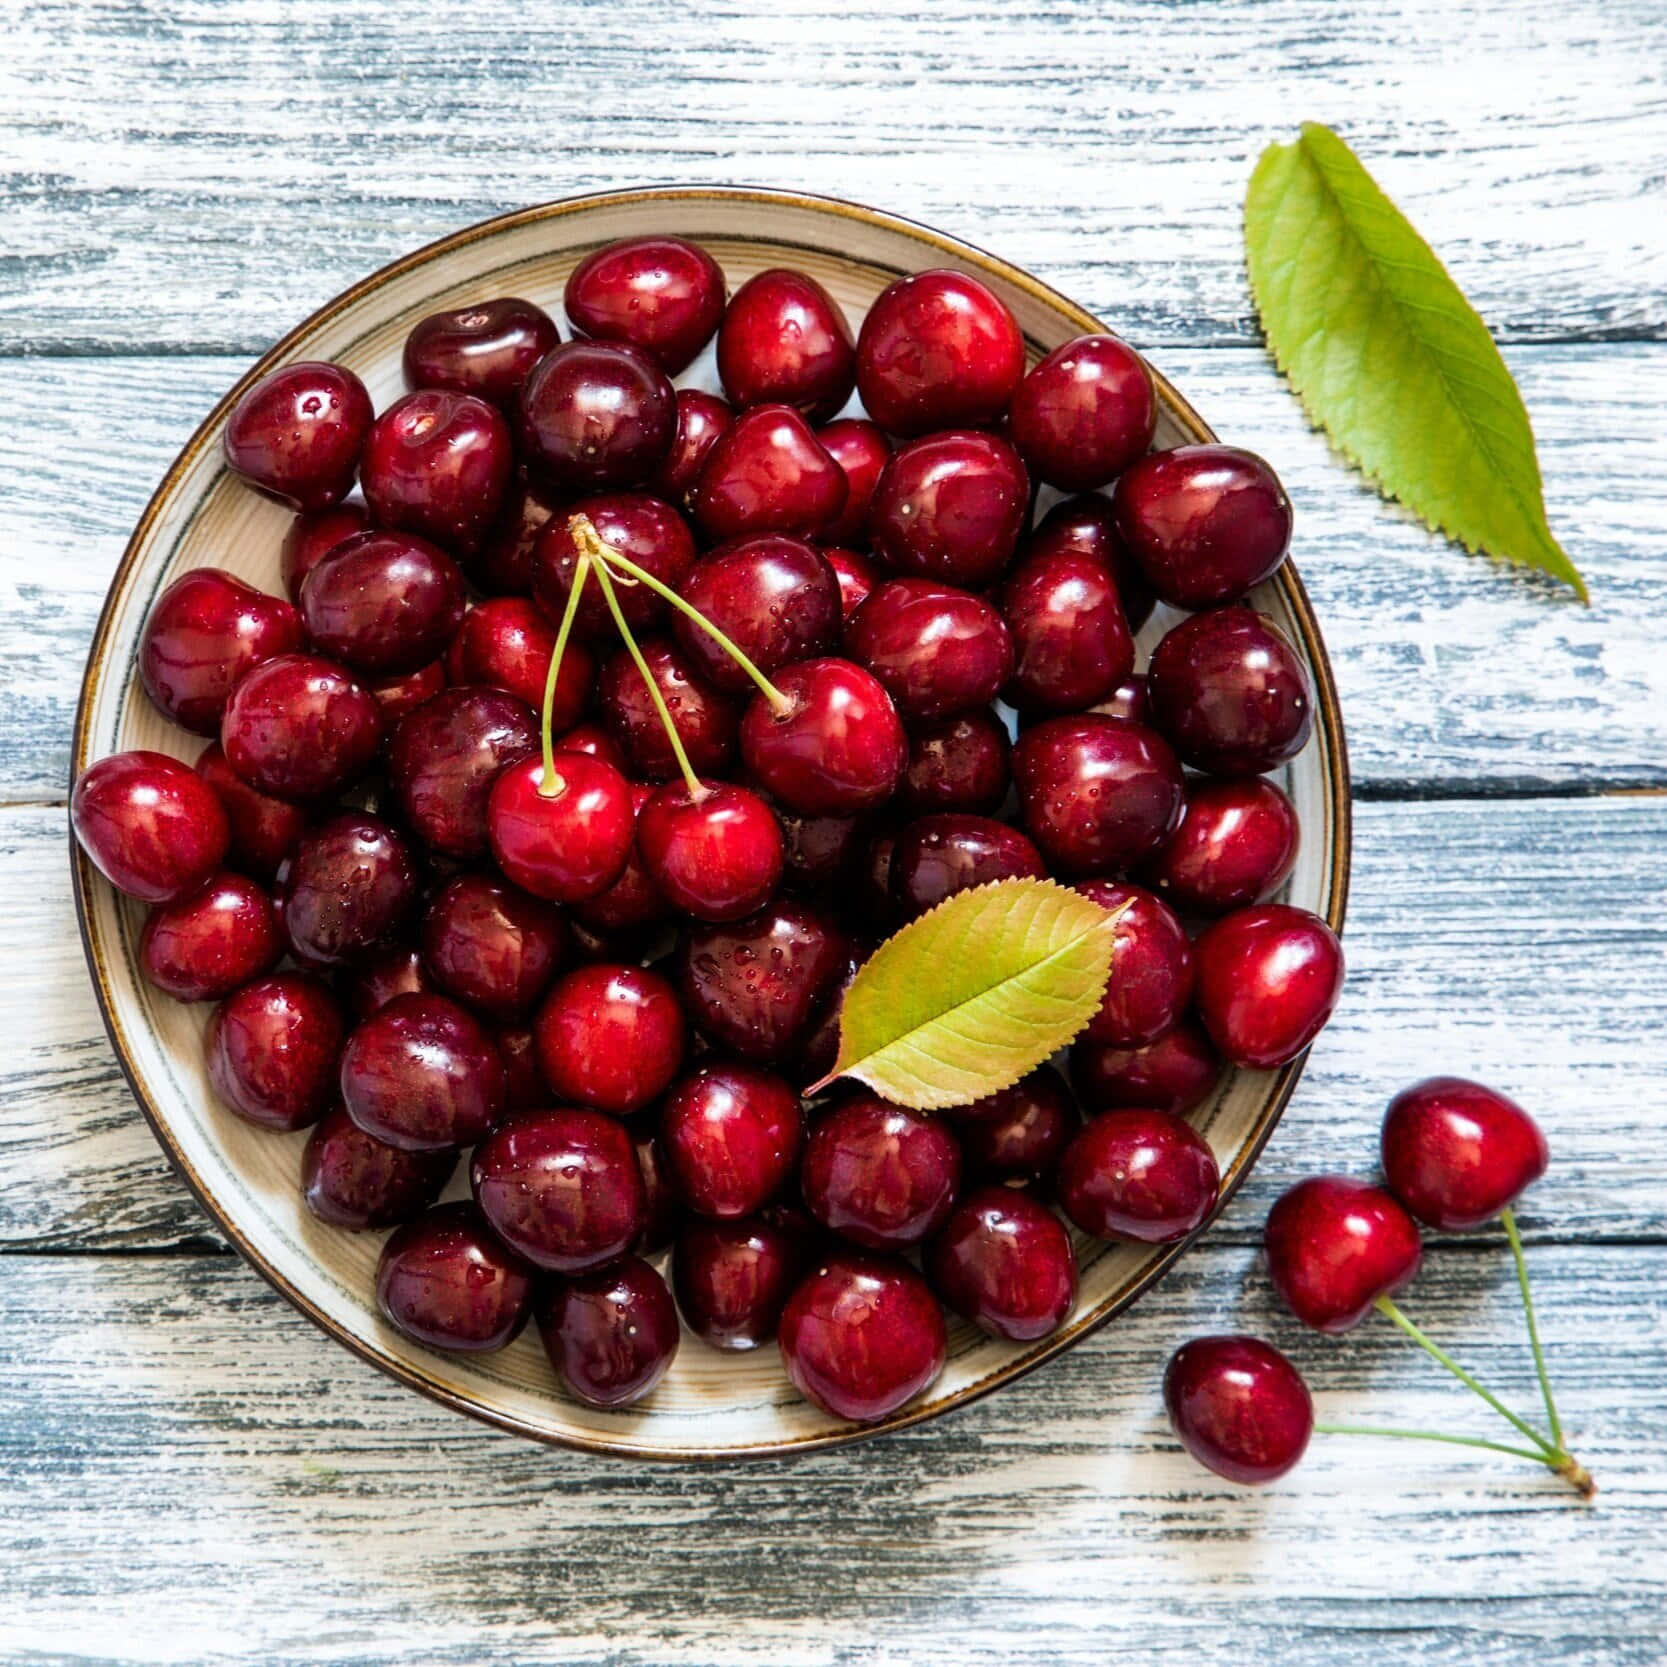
{"points": [[965, 1000], [1387, 355]]}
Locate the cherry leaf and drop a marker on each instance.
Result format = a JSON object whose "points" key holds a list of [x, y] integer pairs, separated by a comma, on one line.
{"points": [[966, 999]]}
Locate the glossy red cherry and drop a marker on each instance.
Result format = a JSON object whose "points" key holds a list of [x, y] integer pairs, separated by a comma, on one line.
{"points": [[264, 830], [202, 946], [1071, 643], [784, 341], [273, 1049], [935, 649], [702, 420], [1230, 693], [351, 1179], [817, 851], [958, 763], [1205, 523], [487, 348], [767, 473], [490, 946], [375, 980], [1235, 843], [506, 643], [1005, 1262], [880, 1175], [1084, 526], [298, 433], [503, 565], [398, 696], [383, 603], [1173, 1074], [349, 886], [733, 1278], [730, 1136], [446, 1282], [1085, 413], [633, 901], [312, 535], [569, 845], [561, 1188], [421, 1073], [1152, 970], [300, 727], [775, 598], [150, 825], [716, 857], [861, 450], [1335, 1245], [862, 1335], [1457, 1153], [610, 1036], [438, 464], [595, 417], [660, 294], [611, 1334], [857, 577], [938, 350], [1097, 794], [1138, 1174], [590, 737], [951, 507], [706, 720], [836, 749], [1017, 1133], [1128, 701], [1268, 978], [937, 856], [640, 528], [1239, 1407]]}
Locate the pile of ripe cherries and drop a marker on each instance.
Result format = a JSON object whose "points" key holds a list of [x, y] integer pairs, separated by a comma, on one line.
{"points": [[594, 750]]}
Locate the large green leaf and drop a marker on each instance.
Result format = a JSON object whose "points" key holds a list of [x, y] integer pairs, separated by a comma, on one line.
{"points": [[965, 1000], [1388, 356]]}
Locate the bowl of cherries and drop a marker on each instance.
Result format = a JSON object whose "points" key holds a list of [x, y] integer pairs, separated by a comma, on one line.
{"points": [[536, 691]]}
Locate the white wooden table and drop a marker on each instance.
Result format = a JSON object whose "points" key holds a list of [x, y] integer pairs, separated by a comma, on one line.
{"points": [[189, 1472]]}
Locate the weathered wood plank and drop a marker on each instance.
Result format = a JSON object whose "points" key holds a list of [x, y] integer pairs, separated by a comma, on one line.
{"points": [[1517, 941], [208, 173], [191, 1472], [1451, 672]]}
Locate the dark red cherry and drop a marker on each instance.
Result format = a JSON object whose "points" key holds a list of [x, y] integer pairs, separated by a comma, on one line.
{"points": [[837, 748], [819, 1047], [633, 901], [1174, 1073], [438, 464], [958, 763], [264, 830], [1335, 1245], [857, 577], [421, 1073], [756, 986], [1205, 523], [595, 417], [716, 857], [1097, 794], [590, 737], [730, 1136], [1017, 1133], [312, 535], [733, 1278], [487, 348], [817, 851], [1138, 1174], [1235, 843], [568, 845], [1084, 526], [506, 643], [1230, 693], [373, 982], [1239, 1407], [880, 1175], [767, 474], [298, 433], [206, 631], [383, 603], [784, 341], [936, 650], [937, 856], [702, 420], [349, 886], [938, 350], [524, 1088], [202, 946], [351, 1179], [775, 598], [491, 946], [610, 1036], [660, 294], [503, 565], [874, 904], [862, 451], [151, 826], [1084, 414], [640, 528], [446, 1282], [706, 720], [273, 1049], [664, 1216], [1456, 1153], [862, 1335], [1071, 643], [611, 1334], [398, 696], [1268, 978], [300, 727], [1004, 1261], [1127, 701], [561, 1188], [951, 507], [1152, 970]]}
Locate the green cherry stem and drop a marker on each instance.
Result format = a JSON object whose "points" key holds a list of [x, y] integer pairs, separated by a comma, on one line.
{"points": [[1508, 1220], [1576, 1475], [549, 783]]}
